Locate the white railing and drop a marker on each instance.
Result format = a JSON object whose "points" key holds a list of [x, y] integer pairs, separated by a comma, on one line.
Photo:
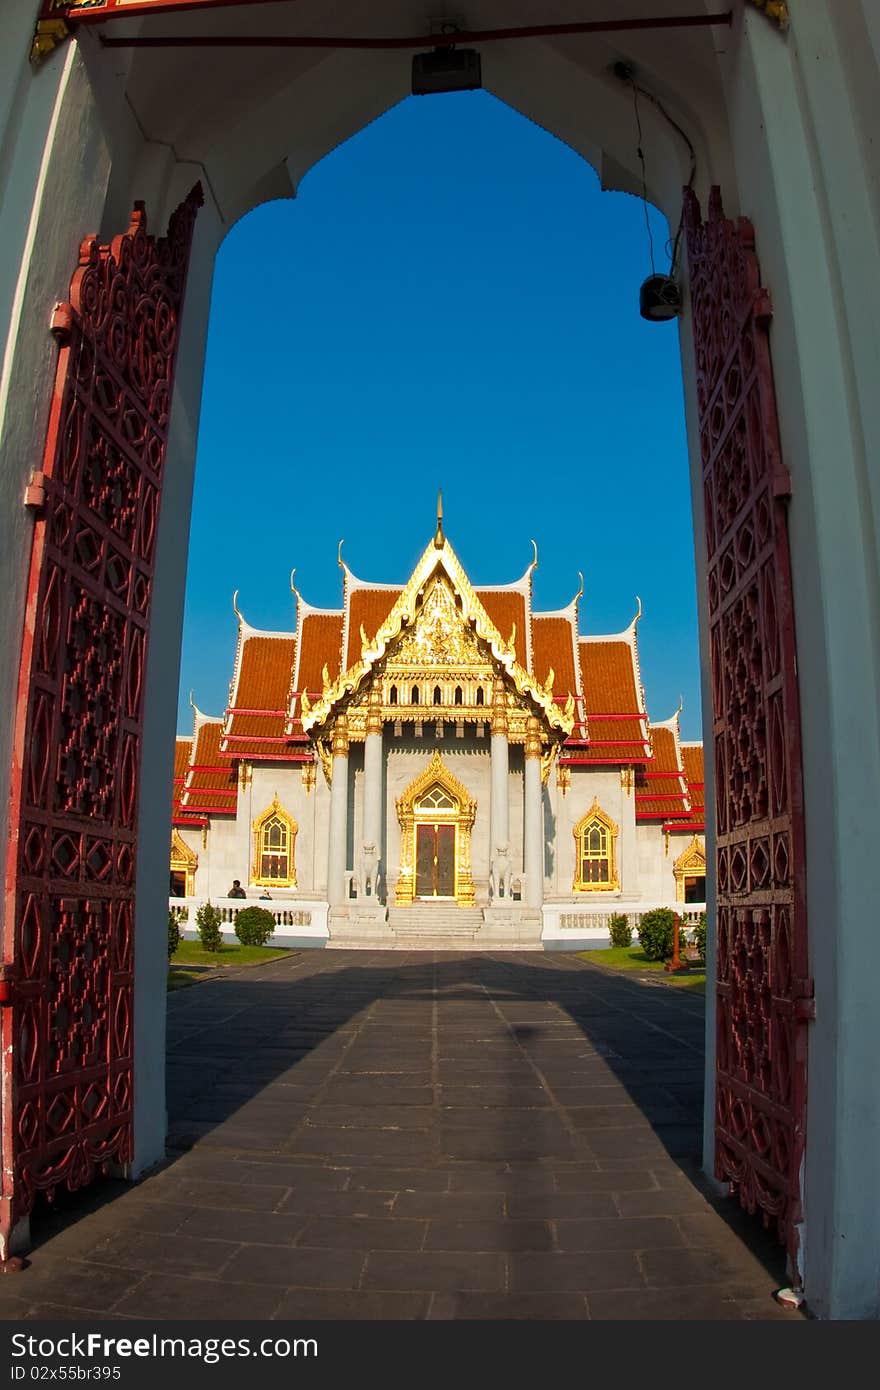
{"points": [[295, 920], [567, 922]]}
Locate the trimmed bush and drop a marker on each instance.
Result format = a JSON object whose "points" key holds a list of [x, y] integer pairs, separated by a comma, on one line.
{"points": [[620, 930], [699, 937], [254, 926], [208, 919], [173, 934], [655, 933]]}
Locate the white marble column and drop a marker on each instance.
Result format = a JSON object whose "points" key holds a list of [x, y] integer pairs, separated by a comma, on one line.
{"points": [[373, 775], [533, 836], [499, 798], [336, 865]]}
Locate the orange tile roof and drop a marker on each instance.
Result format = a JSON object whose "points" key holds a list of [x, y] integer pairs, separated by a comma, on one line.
{"points": [[320, 644], [608, 682], [504, 608], [660, 794], [553, 644], [261, 698], [212, 785], [182, 750], [370, 608], [692, 758]]}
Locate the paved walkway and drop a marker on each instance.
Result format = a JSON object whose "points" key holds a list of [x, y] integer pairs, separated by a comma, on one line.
{"points": [[389, 1135]]}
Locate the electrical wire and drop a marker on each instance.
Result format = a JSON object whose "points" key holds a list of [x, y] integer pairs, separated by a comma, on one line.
{"points": [[638, 90]]}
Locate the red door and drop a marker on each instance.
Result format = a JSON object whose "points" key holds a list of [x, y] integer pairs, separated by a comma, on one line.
{"points": [[435, 861], [68, 944], [764, 993]]}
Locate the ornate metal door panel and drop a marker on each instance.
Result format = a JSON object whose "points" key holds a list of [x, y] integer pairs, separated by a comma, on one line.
{"points": [[69, 903], [764, 993]]}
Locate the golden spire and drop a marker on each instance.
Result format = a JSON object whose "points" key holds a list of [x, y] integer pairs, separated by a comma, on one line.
{"points": [[439, 538]]}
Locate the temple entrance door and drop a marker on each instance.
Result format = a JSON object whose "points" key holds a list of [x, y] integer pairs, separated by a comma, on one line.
{"points": [[763, 984], [435, 861], [68, 945]]}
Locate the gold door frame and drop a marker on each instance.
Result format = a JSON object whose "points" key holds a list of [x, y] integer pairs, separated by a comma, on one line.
{"points": [[462, 818], [184, 861]]}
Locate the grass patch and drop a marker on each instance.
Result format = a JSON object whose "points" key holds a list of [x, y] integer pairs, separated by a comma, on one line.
{"points": [[179, 979], [191, 961], [194, 953], [634, 958]]}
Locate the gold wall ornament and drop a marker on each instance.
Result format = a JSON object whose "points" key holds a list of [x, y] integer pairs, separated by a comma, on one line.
{"points": [[563, 778], [48, 34], [547, 758], [184, 861], [595, 840], [627, 780], [309, 777], [245, 775], [534, 747], [691, 863], [326, 756], [275, 833], [436, 777], [500, 723], [373, 722], [774, 10]]}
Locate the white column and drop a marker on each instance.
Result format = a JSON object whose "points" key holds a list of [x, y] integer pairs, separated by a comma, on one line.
{"points": [[499, 800], [533, 837], [373, 774], [336, 865]]}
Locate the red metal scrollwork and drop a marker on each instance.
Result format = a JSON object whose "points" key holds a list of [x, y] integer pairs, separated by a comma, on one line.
{"points": [[69, 920], [762, 980]]}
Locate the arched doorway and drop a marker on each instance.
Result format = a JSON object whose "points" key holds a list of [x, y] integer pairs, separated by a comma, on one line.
{"points": [[436, 816], [760, 111]]}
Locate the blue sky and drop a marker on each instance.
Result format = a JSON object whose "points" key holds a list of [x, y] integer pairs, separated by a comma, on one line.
{"points": [[452, 302]]}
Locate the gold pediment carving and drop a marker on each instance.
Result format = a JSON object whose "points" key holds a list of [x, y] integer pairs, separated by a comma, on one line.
{"points": [[439, 637], [692, 860], [439, 624]]}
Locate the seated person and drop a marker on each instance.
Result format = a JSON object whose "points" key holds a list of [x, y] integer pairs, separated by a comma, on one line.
{"points": [[236, 891]]}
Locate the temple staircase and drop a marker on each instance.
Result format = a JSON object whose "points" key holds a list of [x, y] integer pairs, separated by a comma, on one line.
{"points": [[434, 926]]}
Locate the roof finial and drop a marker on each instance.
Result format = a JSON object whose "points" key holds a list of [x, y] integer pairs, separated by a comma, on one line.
{"points": [[192, 703], [235, 606], [580, 592], [439, 538], [339, 560], [293, 589], [638, 611], [534, 564]]}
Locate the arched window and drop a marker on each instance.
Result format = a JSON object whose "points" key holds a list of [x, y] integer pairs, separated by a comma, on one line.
{"points": [[595, 837], [415, 694], [481, 698], [438, 695], [274, 841], [459, 695], [392, 698]]}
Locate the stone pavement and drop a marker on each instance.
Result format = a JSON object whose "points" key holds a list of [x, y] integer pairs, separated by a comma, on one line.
{"points": [[393, 1135]]}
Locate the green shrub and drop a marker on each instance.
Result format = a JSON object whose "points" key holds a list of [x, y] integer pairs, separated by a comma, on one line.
{"points": [[620, 930], [655, 933], [208, 919], [699, 937], [254, 926], [173, 934]]}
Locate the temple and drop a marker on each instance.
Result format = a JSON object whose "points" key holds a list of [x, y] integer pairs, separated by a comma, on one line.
{"points": [[439, 763]]}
